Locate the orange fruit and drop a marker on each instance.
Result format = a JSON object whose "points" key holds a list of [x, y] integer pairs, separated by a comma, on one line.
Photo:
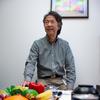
{"points": [[16, 97]]}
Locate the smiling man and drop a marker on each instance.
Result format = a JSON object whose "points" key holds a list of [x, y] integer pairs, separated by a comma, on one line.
{"points": [[52, 56]]}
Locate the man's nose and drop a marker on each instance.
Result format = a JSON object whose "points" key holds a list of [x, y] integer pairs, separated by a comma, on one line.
{"points": [[49, 23]]}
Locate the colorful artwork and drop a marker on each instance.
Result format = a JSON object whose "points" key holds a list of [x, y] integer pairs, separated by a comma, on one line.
{"points": [[70, 8]]}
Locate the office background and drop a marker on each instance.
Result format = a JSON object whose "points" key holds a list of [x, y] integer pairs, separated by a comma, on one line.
{"points": [[21, 24]]}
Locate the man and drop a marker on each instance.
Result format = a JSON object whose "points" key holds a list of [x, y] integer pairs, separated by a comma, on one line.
{"points": [[52, 56]]}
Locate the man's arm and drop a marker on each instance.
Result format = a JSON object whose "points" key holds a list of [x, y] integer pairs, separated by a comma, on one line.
{"points": [[70, 68], [31, 63]]}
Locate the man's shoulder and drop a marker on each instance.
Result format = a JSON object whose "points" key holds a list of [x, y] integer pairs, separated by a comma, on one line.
{"points": [[40, 41], [62, 41]]}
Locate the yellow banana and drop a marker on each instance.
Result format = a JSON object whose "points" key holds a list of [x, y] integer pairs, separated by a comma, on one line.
{"points": [[47, 95]]}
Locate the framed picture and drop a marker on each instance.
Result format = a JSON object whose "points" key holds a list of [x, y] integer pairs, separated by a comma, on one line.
{"points": [[71, 8]]}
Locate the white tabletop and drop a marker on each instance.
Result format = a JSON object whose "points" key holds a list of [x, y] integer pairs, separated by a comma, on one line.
{"points": [[66, 95]]}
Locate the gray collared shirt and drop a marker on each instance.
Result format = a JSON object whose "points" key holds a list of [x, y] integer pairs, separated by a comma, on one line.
{"points": [[56, 58]]}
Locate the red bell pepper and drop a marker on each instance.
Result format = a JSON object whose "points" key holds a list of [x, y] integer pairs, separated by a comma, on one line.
{"points": [[38, 86]]}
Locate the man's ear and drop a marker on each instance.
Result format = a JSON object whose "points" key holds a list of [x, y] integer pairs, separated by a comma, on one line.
{"points": [[59, 25]]}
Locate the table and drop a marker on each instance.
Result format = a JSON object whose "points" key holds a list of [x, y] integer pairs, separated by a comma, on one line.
{"points": [[66, 94]]}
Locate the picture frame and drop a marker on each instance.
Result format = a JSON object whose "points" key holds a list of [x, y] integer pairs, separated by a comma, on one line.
{"points": [[71, 8]]}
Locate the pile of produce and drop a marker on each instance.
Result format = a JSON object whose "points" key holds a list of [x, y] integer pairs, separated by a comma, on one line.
{"points": [[35, 91]]}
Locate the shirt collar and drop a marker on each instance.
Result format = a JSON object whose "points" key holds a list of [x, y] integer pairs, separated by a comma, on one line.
{"points": [[50, 42]]}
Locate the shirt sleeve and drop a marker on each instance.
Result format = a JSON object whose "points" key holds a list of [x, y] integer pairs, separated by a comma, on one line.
{"points": [[70, 68], [31, 63]]}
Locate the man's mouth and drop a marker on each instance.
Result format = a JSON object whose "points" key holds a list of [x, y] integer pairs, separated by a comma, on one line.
{"points": [[50, 29]]}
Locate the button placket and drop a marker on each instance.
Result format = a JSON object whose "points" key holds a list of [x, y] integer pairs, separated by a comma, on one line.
{"points": [[53, 65]]}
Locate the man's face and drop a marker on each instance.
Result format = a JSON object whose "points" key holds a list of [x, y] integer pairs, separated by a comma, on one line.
{"points": [[51, 27]]}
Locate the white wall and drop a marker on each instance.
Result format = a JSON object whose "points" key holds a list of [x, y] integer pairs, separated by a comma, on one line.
{"points": [[21, 23]]}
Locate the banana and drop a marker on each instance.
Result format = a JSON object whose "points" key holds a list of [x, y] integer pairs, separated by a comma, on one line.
{"points": [[47, 95]]}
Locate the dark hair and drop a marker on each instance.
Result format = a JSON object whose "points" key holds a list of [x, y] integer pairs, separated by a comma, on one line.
{"points": [[57, 17]]}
